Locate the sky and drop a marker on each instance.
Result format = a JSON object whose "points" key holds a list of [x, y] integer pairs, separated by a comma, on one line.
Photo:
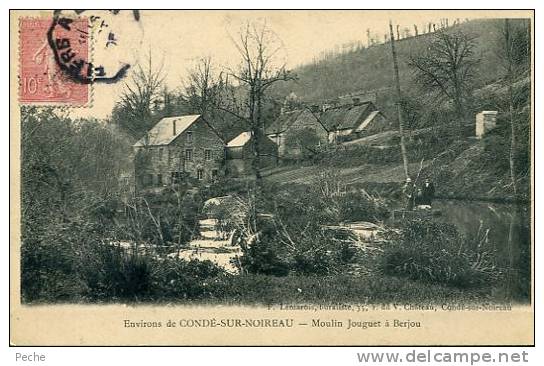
{"points": [[178, 39]]}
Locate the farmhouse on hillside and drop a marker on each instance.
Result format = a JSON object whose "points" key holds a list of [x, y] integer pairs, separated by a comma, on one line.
{"points": [[239, 155], [329, 123], [350, 121], [176, 149], [290, 124]]}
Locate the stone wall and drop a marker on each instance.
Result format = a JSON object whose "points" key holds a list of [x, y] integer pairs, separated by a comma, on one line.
{"points": [[306, 121], [197, 153]]}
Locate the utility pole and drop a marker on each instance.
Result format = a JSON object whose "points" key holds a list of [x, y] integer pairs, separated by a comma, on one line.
{"points": [[399, 107], [510, 80]]}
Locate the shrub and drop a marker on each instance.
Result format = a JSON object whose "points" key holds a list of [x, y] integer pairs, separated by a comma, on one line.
{"points": [[318, 262], [299, 238], [174, 278], [264, 257], [346, 253], [435, 252], [358, 206], [112, 273], [170, 217], [314, 254], [51, 258]]}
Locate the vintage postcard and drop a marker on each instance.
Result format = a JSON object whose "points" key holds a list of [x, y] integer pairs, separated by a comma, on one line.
{"points": [[294, 177]]}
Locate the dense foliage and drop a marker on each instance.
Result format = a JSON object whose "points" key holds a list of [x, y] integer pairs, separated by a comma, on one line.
{"points": [[435, 252], [76, 205], [303, 237]]}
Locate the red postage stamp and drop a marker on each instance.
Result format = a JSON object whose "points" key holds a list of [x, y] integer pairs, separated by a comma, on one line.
{"points": [[42, 79]]}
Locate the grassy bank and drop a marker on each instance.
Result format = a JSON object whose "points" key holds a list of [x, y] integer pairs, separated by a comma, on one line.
{"points": [[262, 289], [473, 170], [256, 289]]}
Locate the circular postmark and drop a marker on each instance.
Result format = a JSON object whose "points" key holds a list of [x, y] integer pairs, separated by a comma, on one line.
{"points": [[67, 33]]}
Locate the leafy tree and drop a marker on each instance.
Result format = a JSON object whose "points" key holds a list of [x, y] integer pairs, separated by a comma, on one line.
{"points": [[69, 195]]}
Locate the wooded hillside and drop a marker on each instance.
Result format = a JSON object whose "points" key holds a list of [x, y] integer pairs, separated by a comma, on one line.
{"points": [[370, 69]]}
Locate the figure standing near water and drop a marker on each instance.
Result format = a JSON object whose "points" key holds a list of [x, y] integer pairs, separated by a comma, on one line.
{"points": [[427, 193], [408, 191]]}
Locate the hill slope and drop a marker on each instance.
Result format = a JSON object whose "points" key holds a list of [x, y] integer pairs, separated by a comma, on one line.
{"points": [[370, 69]]}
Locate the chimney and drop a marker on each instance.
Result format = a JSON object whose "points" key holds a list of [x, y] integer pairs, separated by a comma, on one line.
{"points": [[174, 128], [356, 101]]}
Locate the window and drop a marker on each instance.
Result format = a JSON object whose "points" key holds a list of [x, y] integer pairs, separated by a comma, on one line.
{"points": [[189, 154], [200, 174], [149, 181], [189, 136], [159, 179], [207, 154], [176, 177], [215, 173]]}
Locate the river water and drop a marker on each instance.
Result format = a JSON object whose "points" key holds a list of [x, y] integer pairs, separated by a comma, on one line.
{"points": [[508, 230]]}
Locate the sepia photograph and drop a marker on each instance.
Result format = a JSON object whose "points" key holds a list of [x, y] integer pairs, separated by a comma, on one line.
{"points": [[357, 163]]}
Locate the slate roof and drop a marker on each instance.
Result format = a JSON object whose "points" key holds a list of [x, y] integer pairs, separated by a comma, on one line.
{"points": [[162, 132], [368, 120], [333, 119], [309, 116], [286, 120], [283, 122], [345, 116]]}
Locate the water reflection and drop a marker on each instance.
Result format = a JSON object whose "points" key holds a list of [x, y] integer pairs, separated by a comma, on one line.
{"points": [[507, 229]]}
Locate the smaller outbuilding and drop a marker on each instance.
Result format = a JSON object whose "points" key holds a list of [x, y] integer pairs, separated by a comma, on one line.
{"points": [[239, 153], [485, 122]]}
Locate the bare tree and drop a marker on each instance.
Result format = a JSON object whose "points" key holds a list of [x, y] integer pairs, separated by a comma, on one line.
{"points": [[133, 111], [204, 86], [258, 47], [508, 55], [513, 52], [447, 69]]}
